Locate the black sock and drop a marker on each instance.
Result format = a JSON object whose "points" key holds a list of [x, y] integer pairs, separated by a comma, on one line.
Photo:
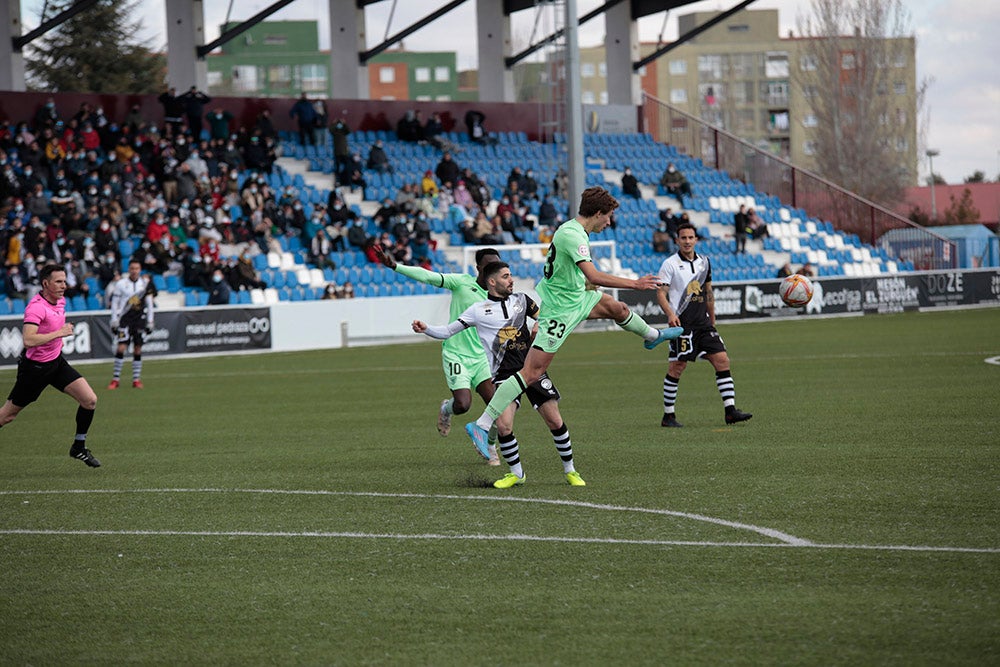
{"points": [[83, 419]]}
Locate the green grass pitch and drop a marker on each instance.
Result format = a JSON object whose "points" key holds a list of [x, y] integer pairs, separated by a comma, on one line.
{"points": [[302, 509]]}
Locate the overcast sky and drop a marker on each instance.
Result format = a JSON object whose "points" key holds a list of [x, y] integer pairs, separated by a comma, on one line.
{"points": [[958, 49]]}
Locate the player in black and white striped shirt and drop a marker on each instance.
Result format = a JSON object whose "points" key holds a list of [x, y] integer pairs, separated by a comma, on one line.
{"points": [[501, 322], [131, 318], [685, 295]]}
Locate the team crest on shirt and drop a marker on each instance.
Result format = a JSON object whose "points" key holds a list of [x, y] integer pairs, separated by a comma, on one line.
{"points": [[506, 335], [583, 250], [694, 291]]}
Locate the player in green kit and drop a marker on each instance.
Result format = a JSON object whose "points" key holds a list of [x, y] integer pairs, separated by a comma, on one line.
{"points": [[568, 298], [465, 364]]}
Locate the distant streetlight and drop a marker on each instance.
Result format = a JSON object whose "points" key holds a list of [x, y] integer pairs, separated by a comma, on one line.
{"points": [[931, 153]]}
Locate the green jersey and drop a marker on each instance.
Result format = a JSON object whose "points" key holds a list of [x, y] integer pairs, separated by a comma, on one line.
{"points": [[465, 291], [564, 286]]}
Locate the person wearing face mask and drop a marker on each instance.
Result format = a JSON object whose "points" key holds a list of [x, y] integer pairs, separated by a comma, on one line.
{"points": [[357, 236], [131, 320], [662, 243], [630, 185], [218, 123], [675, 183], [378, 160], [219, 290]]}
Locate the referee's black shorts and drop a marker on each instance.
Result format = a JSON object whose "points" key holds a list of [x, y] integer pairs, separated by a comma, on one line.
{"points": [[34, 376]]}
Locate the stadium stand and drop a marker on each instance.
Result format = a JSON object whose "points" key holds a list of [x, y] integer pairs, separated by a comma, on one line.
{"points": [[247, 204]]}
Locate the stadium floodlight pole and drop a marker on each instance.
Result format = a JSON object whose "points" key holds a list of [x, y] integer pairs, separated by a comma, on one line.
{"points": [[931, 153], [574, 109]]}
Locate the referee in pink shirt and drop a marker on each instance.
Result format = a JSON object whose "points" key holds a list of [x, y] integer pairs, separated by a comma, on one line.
{"points": [[42, 363]]}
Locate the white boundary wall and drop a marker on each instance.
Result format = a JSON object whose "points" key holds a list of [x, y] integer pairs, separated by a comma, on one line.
{"points": [[311, 325]]}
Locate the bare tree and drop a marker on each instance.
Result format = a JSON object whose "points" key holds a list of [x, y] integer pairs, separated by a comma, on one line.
{"points": [[865, 141]]}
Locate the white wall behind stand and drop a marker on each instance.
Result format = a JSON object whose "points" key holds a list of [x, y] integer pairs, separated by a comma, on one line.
{"points": [[311, 325]]}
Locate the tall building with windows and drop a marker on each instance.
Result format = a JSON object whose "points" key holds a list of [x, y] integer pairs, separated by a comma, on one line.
{"points": [[271, 59], [409, 75], [741, 75], [283, 59]]}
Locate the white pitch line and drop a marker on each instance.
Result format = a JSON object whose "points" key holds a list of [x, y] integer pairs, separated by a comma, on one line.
{"points": [[766, 532], [479, 537], [786, 540]]}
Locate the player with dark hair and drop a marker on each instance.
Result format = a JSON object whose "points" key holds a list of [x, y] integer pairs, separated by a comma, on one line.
{"points": [[686, 297], [42, 364], [568, 300], [462, 356], [131, 319], [501, 322]]}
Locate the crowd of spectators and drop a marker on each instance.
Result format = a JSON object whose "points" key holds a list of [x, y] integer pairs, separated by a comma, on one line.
{"points": [[73, 185]]}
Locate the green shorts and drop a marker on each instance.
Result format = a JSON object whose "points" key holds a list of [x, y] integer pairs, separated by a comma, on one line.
{"points": [[464, 372], [554, 326]]}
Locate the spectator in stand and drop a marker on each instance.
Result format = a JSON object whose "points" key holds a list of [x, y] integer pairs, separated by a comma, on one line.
{"points": [[477, 188], [15, 285], [218, 124], [548, 215], [463, 199], [355, 178], [341, 214], [475, 123], [408, 128], [740, 224], [807, 270], [47, 116], [341, 152], [357, 236], [509, 227], [667, 216], [194, 108], [320, 249], [784, 271], [320, 122], [384, 215], [560, 184], [434, 134], [304, 112], [329, 292], [755, 226], [173, 112], [219, 291], [157, 229], [675, 183], [447, 170], [515, 180], [377, 159], [264, 126], [428, 186], [630, 185], [662, 242], [406, 199], [529, 186], [485, 231]]}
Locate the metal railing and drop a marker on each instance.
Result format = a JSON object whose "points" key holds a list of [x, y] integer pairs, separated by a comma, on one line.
{"points": [[798, 188]]}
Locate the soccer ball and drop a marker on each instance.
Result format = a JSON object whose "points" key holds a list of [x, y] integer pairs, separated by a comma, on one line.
{"points": [[796, 291]]}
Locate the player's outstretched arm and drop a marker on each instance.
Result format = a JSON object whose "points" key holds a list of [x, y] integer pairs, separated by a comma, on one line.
{"points": [[440, 333], [597, 277]]}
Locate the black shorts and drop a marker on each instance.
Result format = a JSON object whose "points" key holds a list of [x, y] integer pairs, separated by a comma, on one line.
{"points": [[126, 335], [694, 344], [34, 376], [539, 392]]}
